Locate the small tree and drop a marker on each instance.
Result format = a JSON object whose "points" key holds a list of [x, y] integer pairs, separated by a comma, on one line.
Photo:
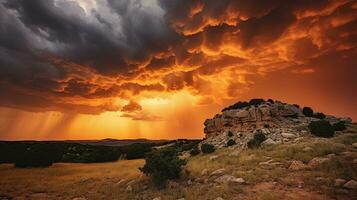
{"points": [[162, 165], [307, 111], [339, 126], [194, 151], [207, 148], [230, 134], [321, 128], [231, 142], [319, 115], [258, 138]]}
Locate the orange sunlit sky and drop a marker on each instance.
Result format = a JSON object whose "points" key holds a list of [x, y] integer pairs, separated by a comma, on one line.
{"points": [[156, 69]]}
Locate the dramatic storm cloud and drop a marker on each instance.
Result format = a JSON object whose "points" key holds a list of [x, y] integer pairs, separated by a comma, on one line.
{"points": [[133, 57]]}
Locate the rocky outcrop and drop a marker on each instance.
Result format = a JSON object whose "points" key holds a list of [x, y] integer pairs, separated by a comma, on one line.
{"points": [[279, 122]]}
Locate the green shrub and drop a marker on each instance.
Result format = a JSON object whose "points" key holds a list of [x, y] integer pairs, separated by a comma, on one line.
{"points": [[194, 151], [271, 101], [296, 105], [230, 134], [231, 142], [238, 105], [207, 148], [319, 115], [255, 102], [258, 138], [162, 165], [339, 126], [307, 111], [321, 128]]}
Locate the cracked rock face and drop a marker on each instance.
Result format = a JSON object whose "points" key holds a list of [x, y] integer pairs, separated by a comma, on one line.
{"points": [[279, 122]]}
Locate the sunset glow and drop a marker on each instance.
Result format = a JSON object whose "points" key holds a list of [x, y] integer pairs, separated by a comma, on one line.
{"points": [[157, 69]]}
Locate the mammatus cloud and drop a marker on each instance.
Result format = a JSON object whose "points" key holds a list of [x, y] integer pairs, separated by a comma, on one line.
{"points": [[93, 57]]}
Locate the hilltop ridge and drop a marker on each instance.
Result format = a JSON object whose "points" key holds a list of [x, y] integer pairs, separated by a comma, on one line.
{"points": [[279, 122]]}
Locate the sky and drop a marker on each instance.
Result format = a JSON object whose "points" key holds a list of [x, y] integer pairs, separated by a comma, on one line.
{"points": [[156, 69]]}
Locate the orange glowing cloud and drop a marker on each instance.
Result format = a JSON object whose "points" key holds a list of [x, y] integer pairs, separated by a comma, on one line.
{"points": [[158, 70]]}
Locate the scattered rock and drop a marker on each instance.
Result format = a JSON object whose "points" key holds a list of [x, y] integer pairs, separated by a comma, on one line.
{"points": [[219, 198], [354, 145], [339, 182], [288, 135], [121, 181], [129, 188], [181, 199], [224, 179], [229, 178], [204, 172], [157, 198], [79, 198], [217, 172], [352, 184], [269, 142], [266, 162], [189, 182], [213, 157], [297, 165], [316, 162], [239, 180], [331, 155]]}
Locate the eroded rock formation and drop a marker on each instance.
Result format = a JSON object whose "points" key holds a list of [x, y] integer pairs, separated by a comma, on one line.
{"points": [[279, 122]]}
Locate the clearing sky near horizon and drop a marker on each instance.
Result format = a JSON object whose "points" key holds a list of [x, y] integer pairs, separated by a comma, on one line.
{"points": [[92, 69]]}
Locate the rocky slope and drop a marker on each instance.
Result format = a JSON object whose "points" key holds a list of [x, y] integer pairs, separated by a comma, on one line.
{"points": [[279, 122]]}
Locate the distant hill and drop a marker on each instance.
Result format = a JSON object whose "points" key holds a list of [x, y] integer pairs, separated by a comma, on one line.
{"points": [[114, 142]]}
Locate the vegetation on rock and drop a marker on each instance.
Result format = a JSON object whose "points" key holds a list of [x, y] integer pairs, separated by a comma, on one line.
{"points": [[194, 151], [257, 139], [230, 134], [231, 142], [207, 148], [319, 115], [339, 126], [243, 104], [321, 128], [308, 112]]}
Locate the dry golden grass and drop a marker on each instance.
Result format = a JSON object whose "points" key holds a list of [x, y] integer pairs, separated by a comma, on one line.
{"points": [[265, 182], [65, 181]]}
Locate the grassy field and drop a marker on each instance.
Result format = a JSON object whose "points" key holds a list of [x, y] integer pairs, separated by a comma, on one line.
{"points": [[67, 181], [262, 181]]}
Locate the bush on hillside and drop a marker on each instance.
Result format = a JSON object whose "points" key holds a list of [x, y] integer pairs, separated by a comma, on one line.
{"points": [[307, 111], [271, 101], [256, 102], [194, 151], [321, 128], [319, 115], [230, 134], [296, 105], [257, 139], [339, 126], [207, 148], [162, 165], [231, 142]]}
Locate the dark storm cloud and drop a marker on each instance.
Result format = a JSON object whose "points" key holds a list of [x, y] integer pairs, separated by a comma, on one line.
{"points": [[54, 52]]}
